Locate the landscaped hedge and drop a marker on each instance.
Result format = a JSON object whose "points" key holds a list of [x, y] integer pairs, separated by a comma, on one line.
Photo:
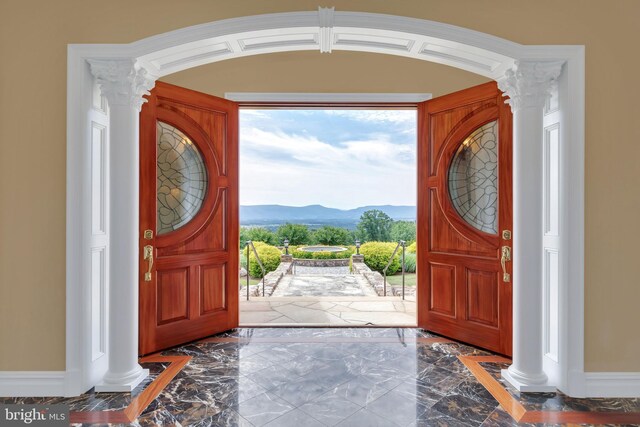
{"points": [[297, 253], [412, 248], [410, 263], [269, 255], [377, 254]]}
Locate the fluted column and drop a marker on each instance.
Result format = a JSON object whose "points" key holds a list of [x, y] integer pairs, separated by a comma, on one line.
{"points": [[123, 83], [528, 85]]}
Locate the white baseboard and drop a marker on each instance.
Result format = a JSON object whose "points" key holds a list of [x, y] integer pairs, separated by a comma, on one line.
{"points": [[32, 383], [612, 384]]}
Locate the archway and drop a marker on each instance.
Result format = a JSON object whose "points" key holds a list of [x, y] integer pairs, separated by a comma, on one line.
{"points": [[102, 243]]}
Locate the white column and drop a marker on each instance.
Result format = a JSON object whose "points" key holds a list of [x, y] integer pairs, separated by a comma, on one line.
{"points": [[123, 83], [528, 86]]}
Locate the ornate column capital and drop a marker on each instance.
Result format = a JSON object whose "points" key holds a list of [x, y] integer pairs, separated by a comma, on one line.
{"points": [[122, 81], [529, 83]]}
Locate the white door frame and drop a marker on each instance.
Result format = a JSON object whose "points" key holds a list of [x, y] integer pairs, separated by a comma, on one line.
{"points": [[102, 137]]}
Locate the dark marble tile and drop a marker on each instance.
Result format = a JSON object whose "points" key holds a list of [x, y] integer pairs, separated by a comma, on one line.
{"points": [[360, 391], [365, 418], [452, 364], [474, 390], [263, 408], [299, 391], [397, 407], [329, 409], [419, 391], [464, 409], [499, 418], [433, 418], [295, 418], [440, 380]]}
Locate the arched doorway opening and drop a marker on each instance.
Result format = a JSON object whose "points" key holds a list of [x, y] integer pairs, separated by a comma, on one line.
{"points": [[548, 338]]}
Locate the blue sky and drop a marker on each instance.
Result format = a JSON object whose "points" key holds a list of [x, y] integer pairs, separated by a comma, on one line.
{"points": [[336, 158]]}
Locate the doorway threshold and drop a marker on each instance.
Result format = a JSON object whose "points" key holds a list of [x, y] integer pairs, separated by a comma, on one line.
{"points": [[328, 311]]}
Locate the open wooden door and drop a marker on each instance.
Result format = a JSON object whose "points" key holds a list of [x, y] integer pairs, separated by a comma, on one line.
{"points": [[465, 217], [188, 217]]}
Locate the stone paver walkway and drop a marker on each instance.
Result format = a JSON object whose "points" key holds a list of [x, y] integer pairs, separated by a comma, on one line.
{"points": [[325, 285], [327, 311]]}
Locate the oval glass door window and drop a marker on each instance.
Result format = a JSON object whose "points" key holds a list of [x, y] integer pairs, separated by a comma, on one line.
{"points": [[473, 179], [182, 178]]}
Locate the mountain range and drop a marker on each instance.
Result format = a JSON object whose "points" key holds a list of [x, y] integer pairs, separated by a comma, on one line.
{"points": [[257, 214]]}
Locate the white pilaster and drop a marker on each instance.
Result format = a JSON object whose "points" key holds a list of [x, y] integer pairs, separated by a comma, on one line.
{"points": [[123, 83], [528, 86]]}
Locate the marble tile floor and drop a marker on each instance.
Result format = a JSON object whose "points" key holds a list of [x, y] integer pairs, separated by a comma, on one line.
{"points": [[327, 311], [333, 377]]}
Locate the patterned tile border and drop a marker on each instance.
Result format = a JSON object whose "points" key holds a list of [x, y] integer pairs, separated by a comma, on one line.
{"points": [[520, 414], [141, 401]]}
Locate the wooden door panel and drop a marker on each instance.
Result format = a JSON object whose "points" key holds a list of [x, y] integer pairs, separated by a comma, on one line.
{"points": [[173, 295], [445, 238], [442, 298], [212, 288], [482, 297], [193, 289], [463, 295]]}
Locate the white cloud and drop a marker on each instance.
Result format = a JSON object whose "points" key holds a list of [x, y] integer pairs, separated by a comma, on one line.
{"points": [[392, 116], [351, 174]]}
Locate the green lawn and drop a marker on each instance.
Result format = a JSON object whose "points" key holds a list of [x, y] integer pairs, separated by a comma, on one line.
{"points": [[252, 281], [396, 279]]}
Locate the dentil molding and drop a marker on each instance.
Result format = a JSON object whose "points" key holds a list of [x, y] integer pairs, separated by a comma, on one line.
{"points": [[122, 81], [529, 83]]}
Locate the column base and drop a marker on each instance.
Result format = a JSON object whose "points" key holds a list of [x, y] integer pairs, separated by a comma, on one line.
{"points": [[126, 386], [526, 387]]}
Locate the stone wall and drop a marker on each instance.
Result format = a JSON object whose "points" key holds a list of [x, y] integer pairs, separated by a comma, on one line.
{"points": [[376, 280], [343, 262]]}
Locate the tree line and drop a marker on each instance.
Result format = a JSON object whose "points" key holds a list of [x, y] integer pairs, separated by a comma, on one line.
{"points": [[374, 226]]}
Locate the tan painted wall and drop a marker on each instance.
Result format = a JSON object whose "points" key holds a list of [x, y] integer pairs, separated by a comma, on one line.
{"points": [[33, 41]]}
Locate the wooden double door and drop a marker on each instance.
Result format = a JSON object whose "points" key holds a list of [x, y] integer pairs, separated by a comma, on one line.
{"points": [[465, 217], [189, 217]]}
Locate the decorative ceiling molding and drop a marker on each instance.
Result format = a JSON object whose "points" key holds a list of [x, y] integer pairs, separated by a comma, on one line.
{"points": [[326, 30]]}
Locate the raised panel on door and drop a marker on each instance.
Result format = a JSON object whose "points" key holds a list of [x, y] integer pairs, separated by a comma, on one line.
{"points": [[173, 295], [464, 205], [213, 296], [483, 298], [442, 298], [188, 217]]}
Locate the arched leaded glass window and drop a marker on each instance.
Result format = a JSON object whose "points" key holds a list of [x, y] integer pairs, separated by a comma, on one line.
{"points": [[473, 178], [182, 178]]}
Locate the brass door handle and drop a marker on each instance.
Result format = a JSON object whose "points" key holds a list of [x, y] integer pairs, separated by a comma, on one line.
{"points": [[148, 256], [506, 256]]}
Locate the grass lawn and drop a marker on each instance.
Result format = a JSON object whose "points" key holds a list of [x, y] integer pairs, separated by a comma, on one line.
{"points": [[252, 281], [396, 279]]}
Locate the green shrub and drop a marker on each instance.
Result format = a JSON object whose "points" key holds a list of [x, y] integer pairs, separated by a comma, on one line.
{"points": [[269, 255], [410, 262], [257, 234], [243, 259], [324, 255], [377, 254], [297, 253], [329, 235], [412, 248], [297, 234]]}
